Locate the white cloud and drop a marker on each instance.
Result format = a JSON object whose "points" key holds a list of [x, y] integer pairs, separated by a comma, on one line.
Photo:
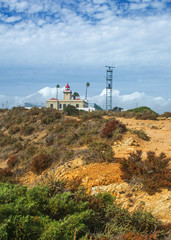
{"points": [[12, 19], [21, 6]]}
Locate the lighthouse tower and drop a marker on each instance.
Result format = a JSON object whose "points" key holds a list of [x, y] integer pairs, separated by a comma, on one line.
{"points": [[67, 93]]}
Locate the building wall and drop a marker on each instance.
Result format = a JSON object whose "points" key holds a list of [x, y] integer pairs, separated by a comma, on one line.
{"points": [[67, 95], [62, 104]]}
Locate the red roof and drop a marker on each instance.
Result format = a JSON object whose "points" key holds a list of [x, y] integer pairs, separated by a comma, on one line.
{"points": [[77, 99], [53, 99], [67, 86]]}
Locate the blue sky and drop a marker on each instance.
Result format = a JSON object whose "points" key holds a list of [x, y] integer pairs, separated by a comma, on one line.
{"points": [[49, 42]]}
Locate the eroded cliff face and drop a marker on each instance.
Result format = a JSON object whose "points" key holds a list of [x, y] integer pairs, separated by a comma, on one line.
{"points": [[104, 177]]}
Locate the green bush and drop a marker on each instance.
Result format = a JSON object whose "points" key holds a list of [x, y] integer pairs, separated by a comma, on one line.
{"points": [[71, 110], [54, 212]]}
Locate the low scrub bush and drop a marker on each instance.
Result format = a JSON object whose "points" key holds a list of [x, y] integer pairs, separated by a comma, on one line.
{"points": [[153, 171], [124, 114], [91, 115], [12, 161], [6, 140], [146, 115], [141, 134], [99, 152], [49, 116], [5, 173], [111, 127], [40, 163], [14, 129], [67, 155], [34, 111], [166, 114], [27, 130]]}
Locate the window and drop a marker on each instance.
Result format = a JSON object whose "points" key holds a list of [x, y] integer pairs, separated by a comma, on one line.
{"points": [[77, 105], [51, 105], [60, 106], [64, 106]]}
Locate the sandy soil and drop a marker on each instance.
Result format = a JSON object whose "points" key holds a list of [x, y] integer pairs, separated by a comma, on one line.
{"points": [[159, 132]]}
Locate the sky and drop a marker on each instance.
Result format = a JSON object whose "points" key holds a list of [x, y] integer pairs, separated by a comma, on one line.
{"points": [[48, 42]]}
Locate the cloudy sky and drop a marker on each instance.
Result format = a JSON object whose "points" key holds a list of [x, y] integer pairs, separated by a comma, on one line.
{"points": [[49, 42]]}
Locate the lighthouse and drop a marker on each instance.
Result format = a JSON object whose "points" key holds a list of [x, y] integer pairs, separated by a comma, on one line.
{"points": [[67, 93], [62, 104]]}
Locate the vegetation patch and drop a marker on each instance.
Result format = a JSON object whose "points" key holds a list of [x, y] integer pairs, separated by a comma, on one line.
{"points": [[40, 163], [112, 126], [71, 110], [12, 161], [98, 152], [166, 114], [141, 134], [55, 212], [5, 174], [153, 171]]}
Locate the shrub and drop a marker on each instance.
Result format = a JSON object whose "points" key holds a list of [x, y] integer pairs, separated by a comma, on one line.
{"points": [[67, 156], [49, 116], [27, 130], [14, 129], [40, 163], [54, 212], [6, 140], [17, 146], [5, 173], [146, 115], [140, 133], [34, 111], [31, 150], [12, 161], [99, 152], [153, 171], [71, 110], [111, 126], [91, 115], [166, 114], [50, 139], [124, 114]]}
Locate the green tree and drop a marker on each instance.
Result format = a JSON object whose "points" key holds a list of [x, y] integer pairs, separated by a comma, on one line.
{"points": [[87, 85], [57, 86], [71, 110], [75, 94]]}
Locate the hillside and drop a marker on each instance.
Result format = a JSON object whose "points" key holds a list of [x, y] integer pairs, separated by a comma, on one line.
{"points": [[90, 148]]}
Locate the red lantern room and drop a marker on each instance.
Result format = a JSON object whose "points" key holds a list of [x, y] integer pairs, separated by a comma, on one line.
{"points": [[67, 87], [67, 93]]}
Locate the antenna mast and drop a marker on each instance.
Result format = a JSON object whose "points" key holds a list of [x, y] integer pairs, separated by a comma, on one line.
{"points": [[109, 78]]}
